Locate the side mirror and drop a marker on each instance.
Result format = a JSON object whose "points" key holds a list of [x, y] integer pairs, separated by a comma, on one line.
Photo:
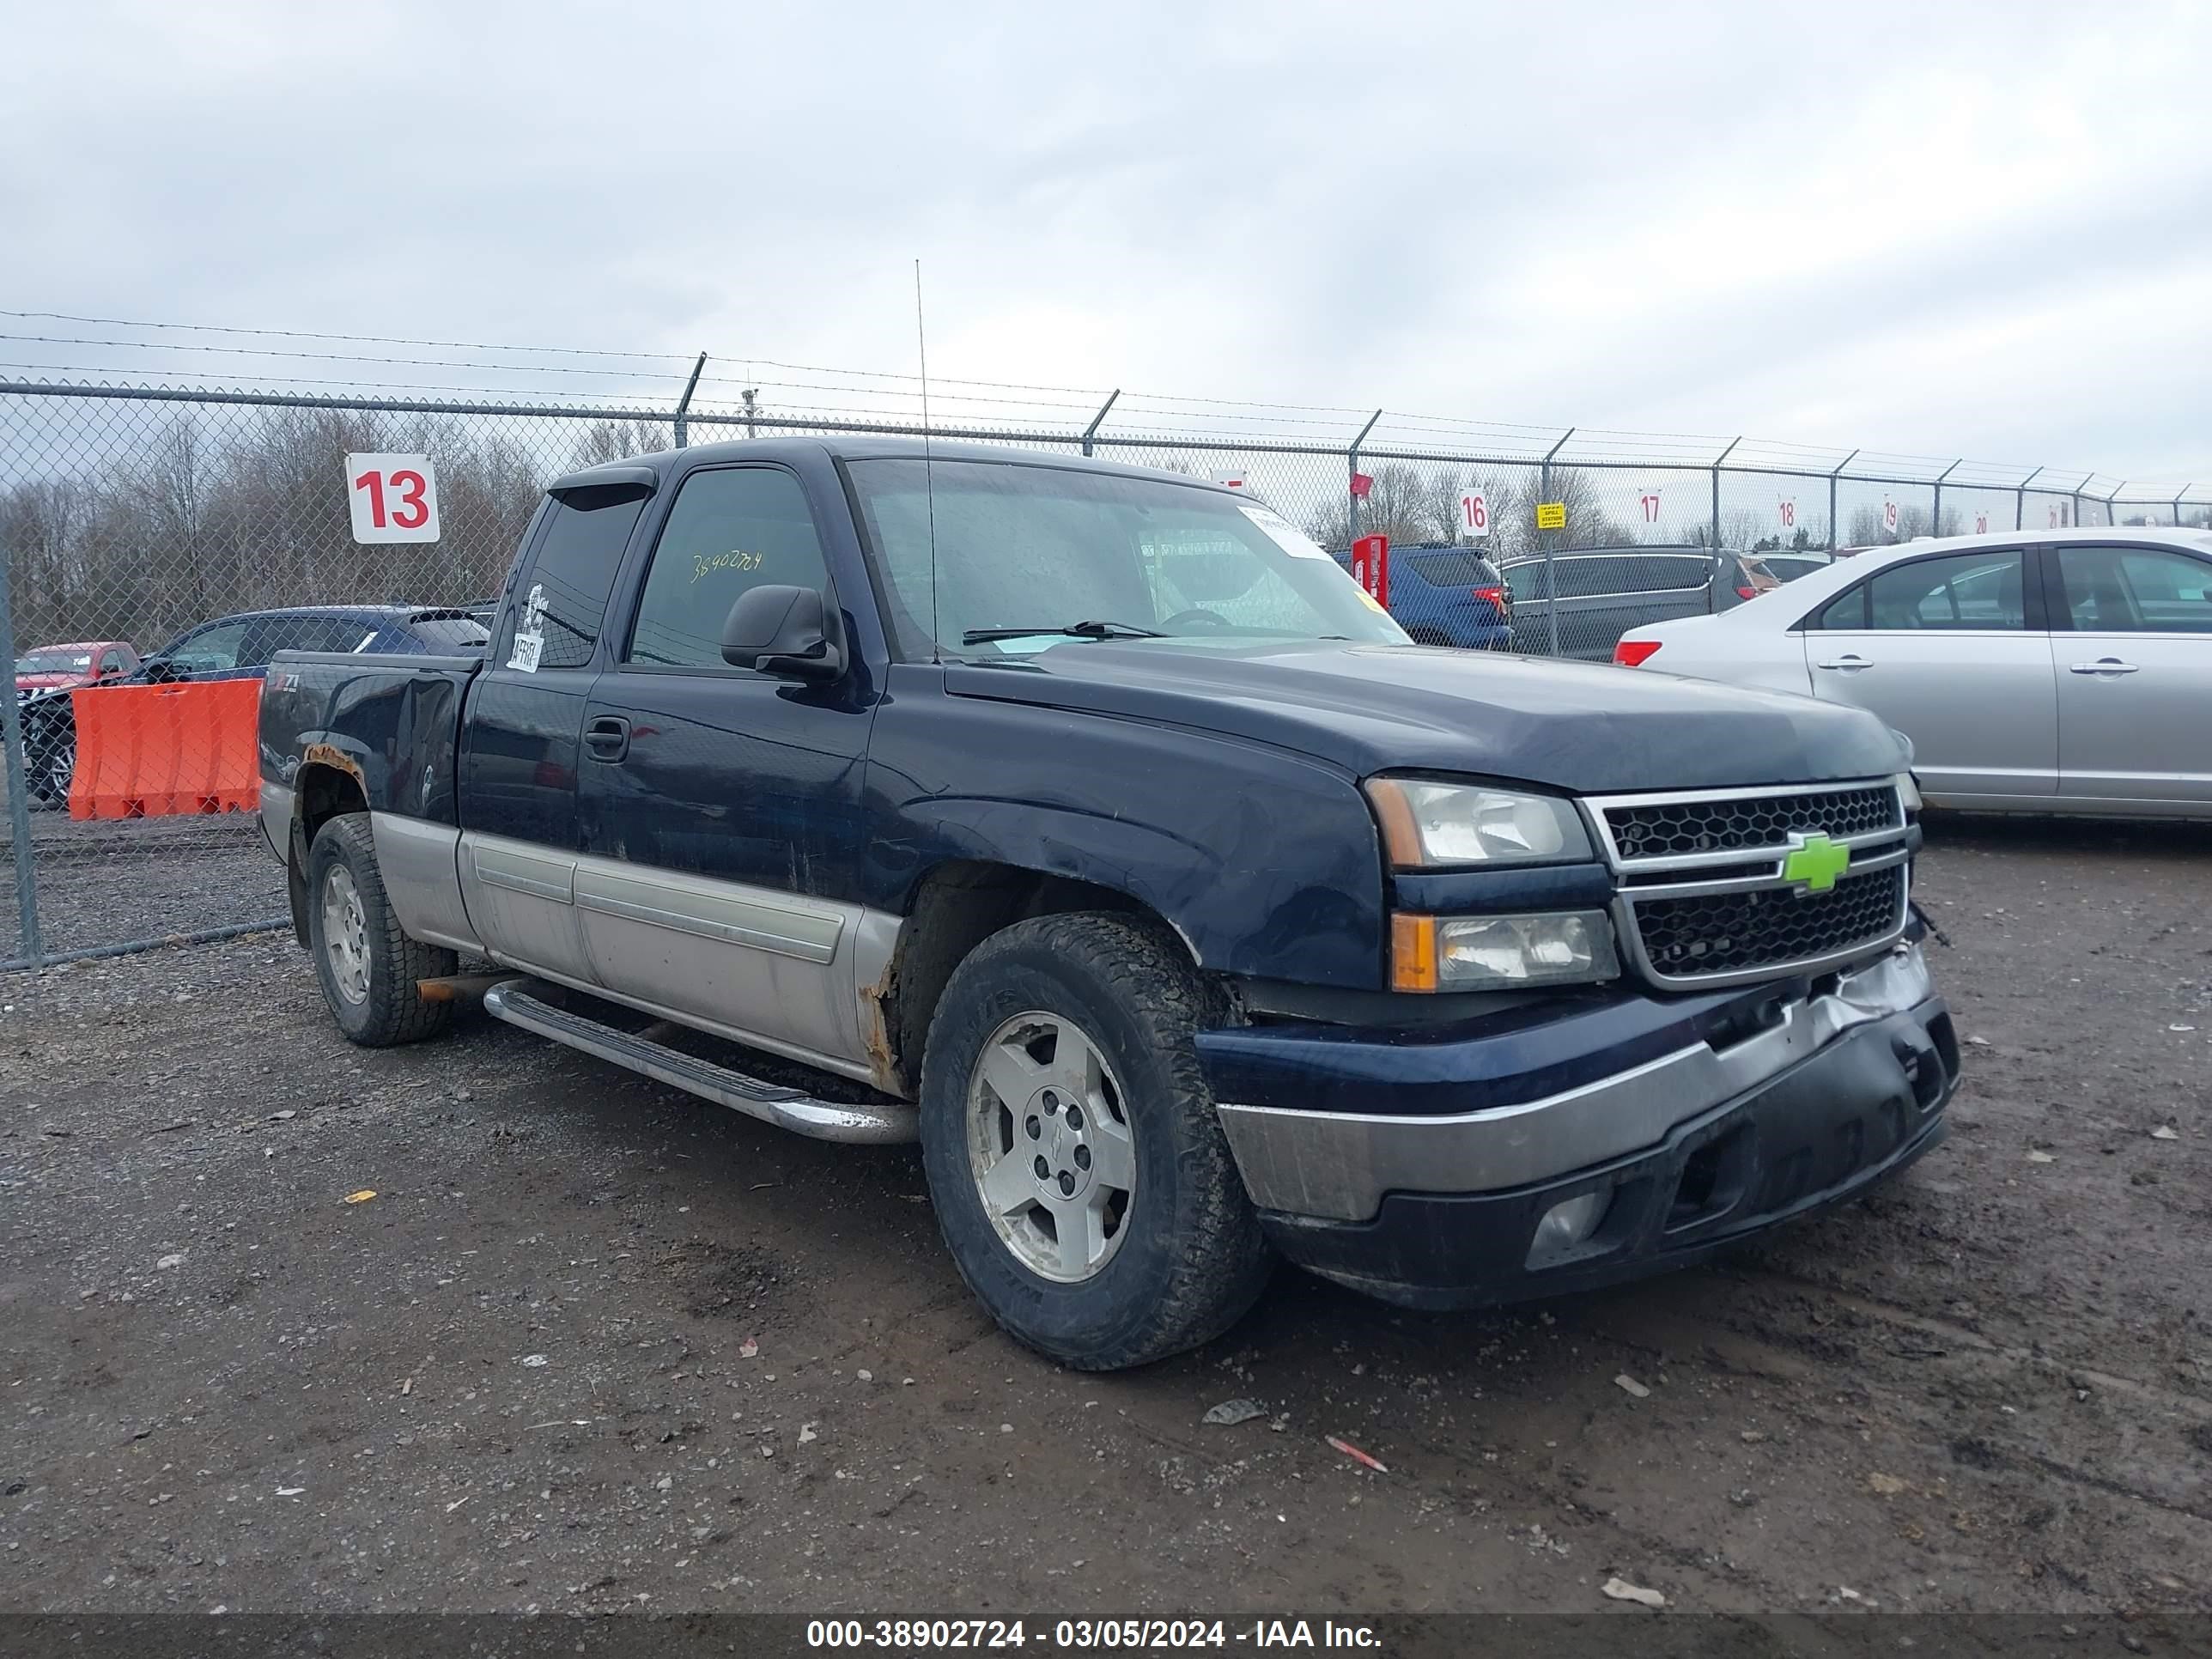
{"points": [[785, 631]]}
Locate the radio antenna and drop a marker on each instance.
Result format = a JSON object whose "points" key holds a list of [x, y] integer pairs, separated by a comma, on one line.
{"points": [[928, 470]]}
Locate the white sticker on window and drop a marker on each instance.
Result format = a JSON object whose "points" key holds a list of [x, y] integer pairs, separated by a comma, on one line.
{"points": [[529, 631], [1285, 534]]}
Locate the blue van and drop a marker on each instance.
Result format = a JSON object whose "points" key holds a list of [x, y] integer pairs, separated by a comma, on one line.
{"points": [[1445, 595]]}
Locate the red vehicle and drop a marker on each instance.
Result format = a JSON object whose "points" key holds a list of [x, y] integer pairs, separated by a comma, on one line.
{"points": [[53, 667]]}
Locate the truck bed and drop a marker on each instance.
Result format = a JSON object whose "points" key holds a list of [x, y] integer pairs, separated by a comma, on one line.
{"points": [[392, 722]]}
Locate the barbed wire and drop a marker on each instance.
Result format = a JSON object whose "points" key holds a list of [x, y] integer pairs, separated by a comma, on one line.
{"points": [[1173, 412]]}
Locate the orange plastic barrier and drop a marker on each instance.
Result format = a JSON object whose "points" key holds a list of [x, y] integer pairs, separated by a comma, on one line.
{"points": [[150, 752]]}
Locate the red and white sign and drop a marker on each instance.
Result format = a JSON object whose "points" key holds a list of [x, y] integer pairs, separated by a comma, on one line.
{"points": [[1231, 475], [2057, 515], [1361, 483], [1649, 502], [1889, 516], [392, 498], [1785, 513], [1981, 524], [1473, 513], [1370, 566]]}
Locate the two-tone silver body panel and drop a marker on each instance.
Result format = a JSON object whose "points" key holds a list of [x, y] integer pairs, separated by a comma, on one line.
{"points": [[777, 971], [1339, 1165]]}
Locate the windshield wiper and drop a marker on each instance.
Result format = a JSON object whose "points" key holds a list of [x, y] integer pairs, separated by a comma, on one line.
{"points": [[1082, 630]]}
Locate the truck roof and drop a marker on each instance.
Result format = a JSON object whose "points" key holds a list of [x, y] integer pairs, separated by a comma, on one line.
{"points": [[859, 446]]}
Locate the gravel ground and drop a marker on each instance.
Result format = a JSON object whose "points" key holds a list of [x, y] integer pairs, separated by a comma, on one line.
{"points": [[111, 883], [594, 1344]]}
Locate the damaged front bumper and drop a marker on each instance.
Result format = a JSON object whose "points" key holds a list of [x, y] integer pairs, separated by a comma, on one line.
{"points": [[1526, 1156]]}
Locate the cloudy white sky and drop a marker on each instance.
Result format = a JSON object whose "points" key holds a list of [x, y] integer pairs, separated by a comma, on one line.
{"points": [[1951, 230]]}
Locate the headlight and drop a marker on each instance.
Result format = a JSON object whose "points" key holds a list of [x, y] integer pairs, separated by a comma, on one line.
{"points": [[1500, 953], [1428, 823]]}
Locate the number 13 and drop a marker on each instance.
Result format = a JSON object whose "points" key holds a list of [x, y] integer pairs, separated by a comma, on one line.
{"points": [[413, 511]]}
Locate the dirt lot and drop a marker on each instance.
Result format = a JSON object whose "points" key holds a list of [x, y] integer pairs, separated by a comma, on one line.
{"points": [[594, 1344]]}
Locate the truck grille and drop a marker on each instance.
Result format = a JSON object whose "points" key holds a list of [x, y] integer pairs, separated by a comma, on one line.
{"points": [[1709, 893], [1768, 927], [1671, 829]]}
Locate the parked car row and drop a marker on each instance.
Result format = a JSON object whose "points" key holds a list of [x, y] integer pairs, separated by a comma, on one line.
{"points": [[1455, 596], [228, 648], [2065, 671]]}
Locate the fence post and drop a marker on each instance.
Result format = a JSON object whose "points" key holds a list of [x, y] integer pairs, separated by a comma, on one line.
{"points": [[1723, 455], [1099, 419], [685, 402], [1835, 534], [1351, 472], [1935, 523], [1551, 548], [2178, 494], [2111, 517], [2078, 489], [2019, 500], [19, 788]]}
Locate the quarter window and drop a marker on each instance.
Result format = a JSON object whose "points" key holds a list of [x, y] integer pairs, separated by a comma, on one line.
{"points": [[2136, 590], [565, 594], [731, 530]]}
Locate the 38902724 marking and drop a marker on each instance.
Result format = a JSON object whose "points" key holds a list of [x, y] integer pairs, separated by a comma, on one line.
{"points": [[916, 1633]]}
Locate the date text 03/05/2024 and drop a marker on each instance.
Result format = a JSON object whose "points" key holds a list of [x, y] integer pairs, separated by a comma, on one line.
{"points": [[1082, 1634]]}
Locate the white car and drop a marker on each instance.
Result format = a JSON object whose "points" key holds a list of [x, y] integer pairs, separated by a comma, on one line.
{"points": [[2063, 670]]}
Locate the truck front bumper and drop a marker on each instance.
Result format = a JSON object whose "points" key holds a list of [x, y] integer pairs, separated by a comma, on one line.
{"points": [[1525, 1156]]}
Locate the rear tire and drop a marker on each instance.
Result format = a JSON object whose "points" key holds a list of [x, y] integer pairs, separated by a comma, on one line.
{"points": [[1091, 1014], [367, 965], [49, 760], [1429, 636]]}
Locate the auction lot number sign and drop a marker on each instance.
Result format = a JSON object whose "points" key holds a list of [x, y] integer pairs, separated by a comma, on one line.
{"points": [[392, 498]]}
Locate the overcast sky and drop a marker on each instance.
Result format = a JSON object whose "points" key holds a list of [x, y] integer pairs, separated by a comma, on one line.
{"points": [[1942, 229]]}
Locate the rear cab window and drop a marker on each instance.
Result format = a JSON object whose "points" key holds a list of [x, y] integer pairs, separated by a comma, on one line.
{"points": [[560, 604]]}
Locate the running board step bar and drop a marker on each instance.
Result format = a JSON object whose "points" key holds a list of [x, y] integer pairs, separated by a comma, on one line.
{"points": [[514, 1001]]}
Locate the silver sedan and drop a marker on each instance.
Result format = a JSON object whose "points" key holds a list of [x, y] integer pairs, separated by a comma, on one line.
{"points": [[2066, 670]]}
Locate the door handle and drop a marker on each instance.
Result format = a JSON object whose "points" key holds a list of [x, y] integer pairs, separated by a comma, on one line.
{"points": [[607, 737], [2105, 665], [1848, 664]]}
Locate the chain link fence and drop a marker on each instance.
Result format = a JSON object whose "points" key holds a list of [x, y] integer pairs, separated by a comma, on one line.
{"points": [[156, 539]]}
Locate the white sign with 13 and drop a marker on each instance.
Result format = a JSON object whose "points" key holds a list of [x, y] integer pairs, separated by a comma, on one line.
{"points": [[392, 498]]}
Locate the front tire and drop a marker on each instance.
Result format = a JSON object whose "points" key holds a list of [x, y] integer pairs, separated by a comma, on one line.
{"points": [[368, 966], [1075, 1158]]}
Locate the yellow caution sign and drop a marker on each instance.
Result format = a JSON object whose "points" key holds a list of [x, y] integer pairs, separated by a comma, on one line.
{"points": [[1551, 515]]}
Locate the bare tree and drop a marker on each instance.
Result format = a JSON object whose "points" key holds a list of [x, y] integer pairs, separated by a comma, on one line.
{"points": [[617, 441]]}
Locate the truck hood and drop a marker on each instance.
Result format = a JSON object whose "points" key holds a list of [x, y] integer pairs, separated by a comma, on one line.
{"points": [[1584, 728]]}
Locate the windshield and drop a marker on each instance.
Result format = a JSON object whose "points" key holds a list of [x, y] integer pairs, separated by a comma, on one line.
{"points": [[1047, 548], [50, 664]]}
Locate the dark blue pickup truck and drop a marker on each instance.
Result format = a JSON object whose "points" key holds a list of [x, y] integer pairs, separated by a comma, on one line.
{"points": [[1090, 826]]}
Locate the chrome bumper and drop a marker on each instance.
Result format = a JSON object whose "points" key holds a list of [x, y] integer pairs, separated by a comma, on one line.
{"points": [[1338, 1165]]}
